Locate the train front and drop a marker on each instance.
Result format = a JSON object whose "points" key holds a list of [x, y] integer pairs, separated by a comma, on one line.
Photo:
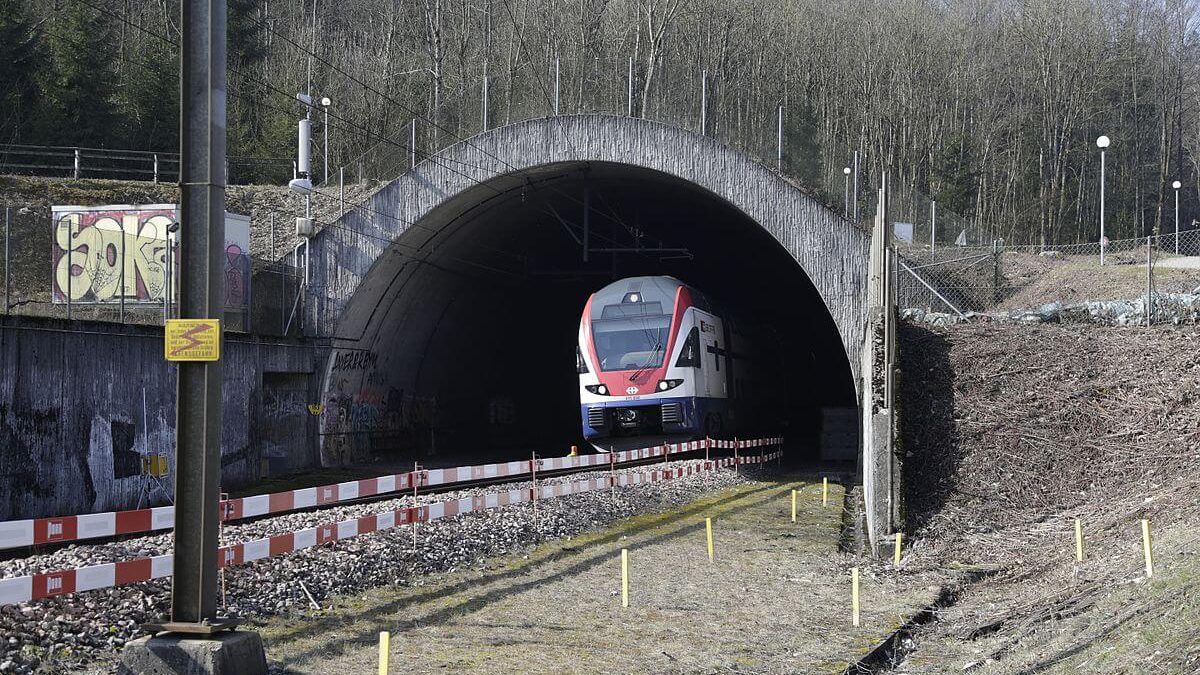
{"points": [[636, 374]]}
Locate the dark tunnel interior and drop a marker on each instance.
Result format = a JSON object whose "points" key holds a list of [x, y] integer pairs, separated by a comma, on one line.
{"points": [[478, 325]]}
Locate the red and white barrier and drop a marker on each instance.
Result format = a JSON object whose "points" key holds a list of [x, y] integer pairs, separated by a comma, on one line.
{"points": [[62, 582], [18, 533]]}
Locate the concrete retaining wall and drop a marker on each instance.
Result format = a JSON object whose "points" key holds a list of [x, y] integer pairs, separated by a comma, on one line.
{"points": [[80, 403]]}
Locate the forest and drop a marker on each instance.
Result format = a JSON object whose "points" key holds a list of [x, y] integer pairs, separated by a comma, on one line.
{"points": [[991, 107]]}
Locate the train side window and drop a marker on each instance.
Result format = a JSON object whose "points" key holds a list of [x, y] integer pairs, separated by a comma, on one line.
{"points": [[689, 356]]}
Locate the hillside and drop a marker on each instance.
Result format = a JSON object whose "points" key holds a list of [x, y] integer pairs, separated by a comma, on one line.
{"points": [[1011, 432]]}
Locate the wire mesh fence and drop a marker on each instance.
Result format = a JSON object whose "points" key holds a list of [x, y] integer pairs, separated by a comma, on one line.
{"points": [[131, 277], [999, 277]]}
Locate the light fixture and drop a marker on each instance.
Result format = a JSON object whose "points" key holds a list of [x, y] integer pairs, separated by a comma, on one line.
{"points": [[846, 171], [326, 102], [1176, 185], [1102, 142]]}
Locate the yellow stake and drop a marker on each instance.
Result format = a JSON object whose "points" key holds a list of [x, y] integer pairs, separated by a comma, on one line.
{"points": [[624, 577], [793, 506], [825, 491], [896, 556], [1078, 540], [385, 641], [1146, 547], [854, 593], [708, 531]]}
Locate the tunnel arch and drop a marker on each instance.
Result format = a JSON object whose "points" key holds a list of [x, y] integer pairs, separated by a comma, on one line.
{"points": [[415, 260]]}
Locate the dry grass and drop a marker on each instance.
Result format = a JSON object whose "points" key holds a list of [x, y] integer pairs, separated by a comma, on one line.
{"points": [[775, 601]]}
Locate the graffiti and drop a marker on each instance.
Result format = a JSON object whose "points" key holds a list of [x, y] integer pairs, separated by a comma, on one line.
{"points": [[95, 251], [355, 360], [120, 253], [354, 425]]}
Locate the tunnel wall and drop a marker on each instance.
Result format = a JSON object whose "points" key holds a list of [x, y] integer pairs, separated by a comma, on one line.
{"points": [[73, 426], [355, 269]]}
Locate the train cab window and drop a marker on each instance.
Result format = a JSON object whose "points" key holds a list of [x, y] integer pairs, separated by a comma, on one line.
{"points": [[631, 344]]}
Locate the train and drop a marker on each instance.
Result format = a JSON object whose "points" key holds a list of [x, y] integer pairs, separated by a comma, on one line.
{"points": [[658, 362]]}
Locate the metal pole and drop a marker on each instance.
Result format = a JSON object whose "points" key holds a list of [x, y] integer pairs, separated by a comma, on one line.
{"points": [[1176, 221], [629, 96], [854, 203], [779, 141], [122, 280], [846, 195], [78, 163], [932, 227], [485, 102], [198, 398], [557, 82], [325, 133], [156, 168], [703, 102], [412, 148], [342, 189], [1102, 208], [7, 228]]}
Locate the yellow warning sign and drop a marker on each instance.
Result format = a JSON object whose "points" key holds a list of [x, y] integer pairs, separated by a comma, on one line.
{"points": [[193, 339]]}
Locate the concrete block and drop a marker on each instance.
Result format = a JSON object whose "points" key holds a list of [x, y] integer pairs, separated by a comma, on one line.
{"points": [[224, 653]]}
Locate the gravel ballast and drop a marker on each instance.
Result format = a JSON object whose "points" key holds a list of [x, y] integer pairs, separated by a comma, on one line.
{"points": [[84, 632]]}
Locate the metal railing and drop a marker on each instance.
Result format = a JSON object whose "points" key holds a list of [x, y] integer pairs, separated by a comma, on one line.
{"points": [[77, 162]]}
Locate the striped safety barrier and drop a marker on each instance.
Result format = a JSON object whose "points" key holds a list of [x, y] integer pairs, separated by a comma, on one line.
{"points": [[60, 529], [61, 582]]}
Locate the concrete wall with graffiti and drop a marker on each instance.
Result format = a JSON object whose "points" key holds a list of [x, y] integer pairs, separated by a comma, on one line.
{"points": [[113, 254], [80, 408]]}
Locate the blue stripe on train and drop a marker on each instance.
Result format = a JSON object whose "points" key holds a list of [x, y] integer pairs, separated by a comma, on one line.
{"points": [[694, 410]]}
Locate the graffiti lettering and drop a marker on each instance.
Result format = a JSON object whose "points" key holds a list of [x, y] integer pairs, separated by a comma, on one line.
{"points": [[94, 249], [355, 360]]}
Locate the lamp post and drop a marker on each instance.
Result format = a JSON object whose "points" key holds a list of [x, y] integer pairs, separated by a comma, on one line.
{"points": [[846, 173], [1102, 143], [1176, 185], [325, 103]]}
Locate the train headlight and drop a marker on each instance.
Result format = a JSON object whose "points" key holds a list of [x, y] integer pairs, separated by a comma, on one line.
{"points": [[664, 385], [598, 389]]}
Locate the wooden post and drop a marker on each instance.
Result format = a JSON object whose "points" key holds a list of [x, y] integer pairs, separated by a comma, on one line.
{"points": [[1078, 540], [708, 531], [824, 491], [416, 479], [854, 595], [624, 577], [385, 648], [1146, 547], [793, 506], [896, 555]]}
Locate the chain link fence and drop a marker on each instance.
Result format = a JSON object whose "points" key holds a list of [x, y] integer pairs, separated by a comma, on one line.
{"points": [[134, 279], [961, 279]]}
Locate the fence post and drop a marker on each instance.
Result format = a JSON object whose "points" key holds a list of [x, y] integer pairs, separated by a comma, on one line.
{"points": [[703, 102], [933, 229], [779, 141], [995, 271], [156, 168], [341, 190], [1149, 284], [629, 96], [78, 163], [412, 150], [557, 84]]}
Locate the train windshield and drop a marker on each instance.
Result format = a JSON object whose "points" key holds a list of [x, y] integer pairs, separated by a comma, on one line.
{"points": [[631, 343]]}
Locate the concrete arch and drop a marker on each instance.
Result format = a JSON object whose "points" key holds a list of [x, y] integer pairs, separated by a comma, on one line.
{"points": [[360, 266]]}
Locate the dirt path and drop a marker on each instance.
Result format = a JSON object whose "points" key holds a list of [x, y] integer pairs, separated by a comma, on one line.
{"points": [[775, 600]]}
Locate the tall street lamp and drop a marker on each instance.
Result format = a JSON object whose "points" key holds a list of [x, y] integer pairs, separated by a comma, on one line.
{"points": [[1102, 143], [1176, 185], [846, 172], [325, 103]]}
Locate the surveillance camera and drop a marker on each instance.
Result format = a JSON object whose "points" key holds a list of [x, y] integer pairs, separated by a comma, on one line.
{"points": [[173, 227]]}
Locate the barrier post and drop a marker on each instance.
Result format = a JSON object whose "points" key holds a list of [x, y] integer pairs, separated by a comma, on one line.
{"points": [[707, 445], [416, 479], [534, 490], [1146, 547], [385, 648], [624, 577], [824, 491], [899, 545], [737, 467], [1078, 540], [793, 506], [708, 531], [854, 595], [612, 474]]}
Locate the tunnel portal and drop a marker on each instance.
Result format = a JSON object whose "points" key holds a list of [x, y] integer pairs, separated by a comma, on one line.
{"points": [[453, 298]]}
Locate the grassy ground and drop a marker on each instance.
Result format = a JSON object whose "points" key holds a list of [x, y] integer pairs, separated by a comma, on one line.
{"points": [[775, 600]]}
